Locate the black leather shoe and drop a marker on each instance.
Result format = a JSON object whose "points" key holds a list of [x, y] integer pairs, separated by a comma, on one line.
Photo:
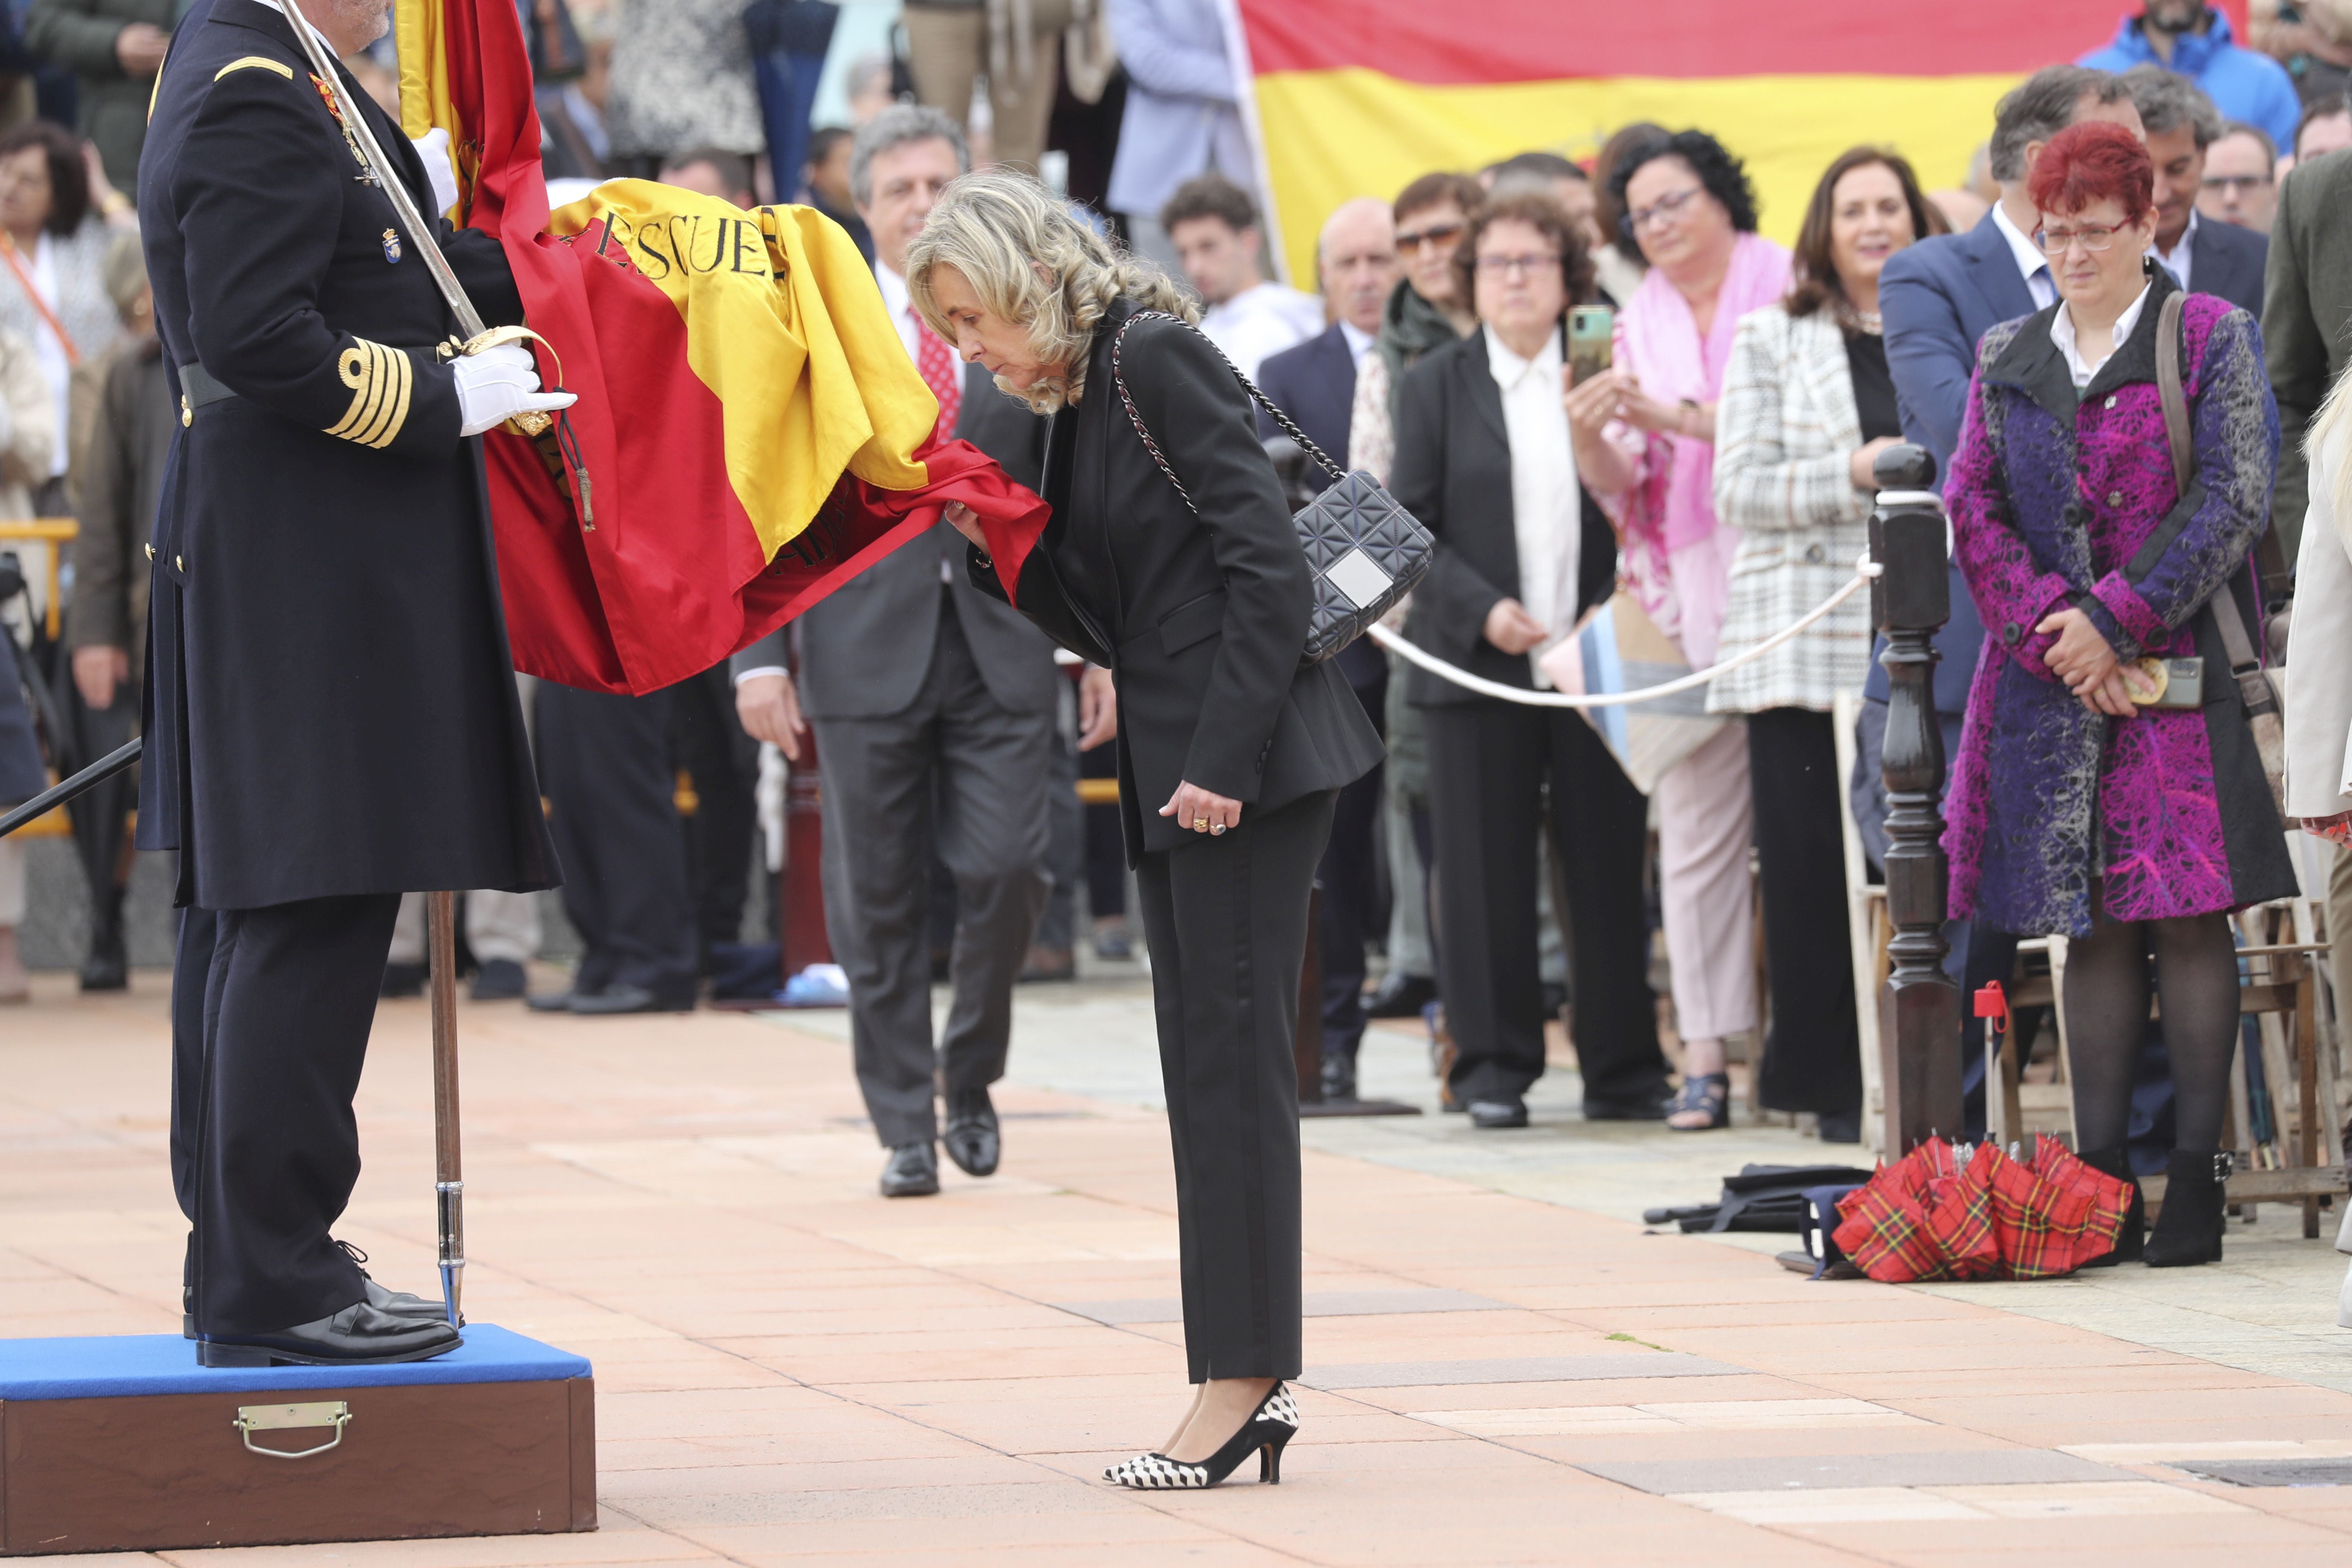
{"points": [[913, 1172], [1338, 1077], [359, 1335], [974, 1140], [401, 1303], [1627, 1108], [1401, 995], [108, 967], [1495, 1113], [616, 1000], [1841, 1126], [2189, 1226], [500, 979], [402, 980]]}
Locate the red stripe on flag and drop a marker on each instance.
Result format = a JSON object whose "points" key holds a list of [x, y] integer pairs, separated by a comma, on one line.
{"points": [[1542, 40]]}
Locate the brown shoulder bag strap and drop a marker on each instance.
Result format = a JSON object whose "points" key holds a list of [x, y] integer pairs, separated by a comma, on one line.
{"points": [[2245, 665]]}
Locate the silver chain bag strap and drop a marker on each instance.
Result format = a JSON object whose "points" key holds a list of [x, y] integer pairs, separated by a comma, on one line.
{"points": [[1365, 551]]}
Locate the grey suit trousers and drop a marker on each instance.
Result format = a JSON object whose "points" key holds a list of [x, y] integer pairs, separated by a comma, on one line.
{"points": [[957, 764]]}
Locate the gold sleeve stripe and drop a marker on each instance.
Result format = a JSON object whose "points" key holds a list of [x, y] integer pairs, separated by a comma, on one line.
{"points": [[255, 62], [381, 380]]}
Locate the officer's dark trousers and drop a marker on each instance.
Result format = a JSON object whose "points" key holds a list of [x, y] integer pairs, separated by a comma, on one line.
{"points": [[1350, 889], [605, 764], [270, 1013], [1226, 920], [976, 773]]}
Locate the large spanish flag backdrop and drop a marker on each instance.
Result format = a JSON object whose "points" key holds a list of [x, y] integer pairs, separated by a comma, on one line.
{"points": [[1356, 97]]}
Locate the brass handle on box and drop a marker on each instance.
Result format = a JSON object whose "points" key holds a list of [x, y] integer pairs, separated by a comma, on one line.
{"points": [[252, 1419]]}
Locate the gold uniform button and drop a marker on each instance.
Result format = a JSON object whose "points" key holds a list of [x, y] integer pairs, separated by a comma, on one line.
{"points": [[187, 415], [151, 553], [179, 562]]}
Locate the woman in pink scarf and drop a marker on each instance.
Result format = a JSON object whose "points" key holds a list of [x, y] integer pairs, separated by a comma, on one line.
{"points": [[1644, 439]]}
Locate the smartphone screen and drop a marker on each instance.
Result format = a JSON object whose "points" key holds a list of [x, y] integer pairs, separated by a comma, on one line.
{"points": [[1590, 331]]}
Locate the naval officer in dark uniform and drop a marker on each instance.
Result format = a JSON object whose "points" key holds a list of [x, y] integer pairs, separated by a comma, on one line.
{"points": [[330, 713]]}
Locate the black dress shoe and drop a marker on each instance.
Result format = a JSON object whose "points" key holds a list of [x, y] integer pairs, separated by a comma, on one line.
{"points": [[1494, 1113], [974, 1140], [402, 980], [617, 999], [500, 979], [401, 1303], [1338, 1077], [1646, 1107], [1841, 1126], [1401, 995], [359, 1335], [108, 967], [913, 1172]]}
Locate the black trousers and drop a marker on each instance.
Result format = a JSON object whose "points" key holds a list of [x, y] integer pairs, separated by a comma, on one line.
{"points": [[1225, 919], [1489, 763], [270, 1013], [604, 765], [724, 763], [954, 772], [1350, 883], [1812, 1054]]}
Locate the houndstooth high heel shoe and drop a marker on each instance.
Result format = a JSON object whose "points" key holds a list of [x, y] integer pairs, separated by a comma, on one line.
{"points": [[1270, 1427]]}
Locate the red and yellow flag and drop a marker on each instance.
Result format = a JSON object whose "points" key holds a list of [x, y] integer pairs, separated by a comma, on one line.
{"points": [[749, 432], [1358, 97]]}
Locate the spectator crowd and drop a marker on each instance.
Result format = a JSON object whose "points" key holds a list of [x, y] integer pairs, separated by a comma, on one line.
{"points": [[1623, 412]]}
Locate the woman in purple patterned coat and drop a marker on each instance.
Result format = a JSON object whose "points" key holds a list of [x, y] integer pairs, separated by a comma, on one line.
{"points": [[2077, 808]]}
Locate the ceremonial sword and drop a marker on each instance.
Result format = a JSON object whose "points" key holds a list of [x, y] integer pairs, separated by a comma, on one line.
{"points": [[440, 909]]}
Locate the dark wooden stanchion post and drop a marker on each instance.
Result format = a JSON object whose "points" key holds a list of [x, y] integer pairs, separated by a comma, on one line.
{"points": [[1919, 1010]]}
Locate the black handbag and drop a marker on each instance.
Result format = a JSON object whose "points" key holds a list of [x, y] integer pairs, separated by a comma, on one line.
{"points": [[1365, 551]]}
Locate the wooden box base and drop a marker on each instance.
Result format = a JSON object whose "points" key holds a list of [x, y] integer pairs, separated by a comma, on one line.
{"points": [[498, 1438]]}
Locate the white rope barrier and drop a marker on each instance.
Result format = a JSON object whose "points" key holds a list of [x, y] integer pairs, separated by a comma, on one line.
{"points": [[1864, 572]]}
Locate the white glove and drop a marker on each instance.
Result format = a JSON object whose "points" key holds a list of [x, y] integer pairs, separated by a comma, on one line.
{"points": [[434, 148], [497, 384]]}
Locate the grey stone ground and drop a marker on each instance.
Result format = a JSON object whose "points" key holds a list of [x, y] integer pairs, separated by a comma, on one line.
{"points": [[2270, 1306]]}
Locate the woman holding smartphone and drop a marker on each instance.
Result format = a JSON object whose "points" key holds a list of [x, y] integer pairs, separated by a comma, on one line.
{"points": [[1808, 405]]}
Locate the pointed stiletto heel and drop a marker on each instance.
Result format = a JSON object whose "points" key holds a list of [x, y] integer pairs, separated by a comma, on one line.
{"points": [[1269, 1429]]}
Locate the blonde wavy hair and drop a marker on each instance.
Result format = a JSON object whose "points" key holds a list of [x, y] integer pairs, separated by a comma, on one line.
{"points": [[2330, 433], [1032, 263]]}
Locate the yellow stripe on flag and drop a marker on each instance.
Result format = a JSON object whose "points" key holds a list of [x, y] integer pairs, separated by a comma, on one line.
{"points": [[787, 329], [1333, 135]]}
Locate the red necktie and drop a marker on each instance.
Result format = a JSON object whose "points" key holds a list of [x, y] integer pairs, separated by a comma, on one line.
{"points": [[937, 364]]}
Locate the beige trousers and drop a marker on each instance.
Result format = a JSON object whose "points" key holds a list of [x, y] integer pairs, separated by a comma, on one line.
{"points": [[1704, 821], [947, 49]]}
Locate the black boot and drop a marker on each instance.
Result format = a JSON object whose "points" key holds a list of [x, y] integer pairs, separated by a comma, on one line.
{"points": [[2189, 1228], [106, 968], [2117, 1162]]}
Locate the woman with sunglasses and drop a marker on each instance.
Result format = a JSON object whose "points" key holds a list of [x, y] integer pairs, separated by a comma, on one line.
{"points": [[2107, 789], [1644, 433]]}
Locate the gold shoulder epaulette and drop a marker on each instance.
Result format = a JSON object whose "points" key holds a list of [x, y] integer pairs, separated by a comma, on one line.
{"points": [[256, 62], [381, 380]]}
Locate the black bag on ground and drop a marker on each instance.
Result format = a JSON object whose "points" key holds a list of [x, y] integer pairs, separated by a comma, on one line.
{"points": [[1761, 1197]]}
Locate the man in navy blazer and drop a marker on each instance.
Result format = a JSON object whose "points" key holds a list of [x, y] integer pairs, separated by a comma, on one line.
{"points": [[1315, 383], [2208, 258], [1938, 297]]}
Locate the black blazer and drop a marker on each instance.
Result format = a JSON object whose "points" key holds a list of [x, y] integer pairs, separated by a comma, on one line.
{"points": [[2227, 260], [1201, 618], [1453, 472]]}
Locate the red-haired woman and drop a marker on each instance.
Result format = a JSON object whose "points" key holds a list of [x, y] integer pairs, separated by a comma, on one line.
{"points": [[2081, 806]]}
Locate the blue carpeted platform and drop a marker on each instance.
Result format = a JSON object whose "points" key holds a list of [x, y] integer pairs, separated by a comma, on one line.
{"points": [[121, 1365]]}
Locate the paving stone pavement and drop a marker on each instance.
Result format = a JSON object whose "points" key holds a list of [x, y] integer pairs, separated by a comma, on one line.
{"points": [[1503, 1365]]}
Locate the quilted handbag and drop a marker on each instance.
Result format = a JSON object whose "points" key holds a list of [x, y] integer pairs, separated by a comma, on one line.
{"points": [[1365, 550]]}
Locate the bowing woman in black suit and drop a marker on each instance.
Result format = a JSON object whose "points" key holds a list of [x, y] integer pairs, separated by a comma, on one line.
{"points": [[1230, 754]]}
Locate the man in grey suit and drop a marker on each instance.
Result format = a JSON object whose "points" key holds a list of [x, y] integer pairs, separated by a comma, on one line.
{"points": [[933, 707]]}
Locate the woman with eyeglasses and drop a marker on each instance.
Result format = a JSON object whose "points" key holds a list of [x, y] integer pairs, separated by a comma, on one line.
{"points": [[2107, 788], [1484, 460], [1644, 438], [1808, 406]]}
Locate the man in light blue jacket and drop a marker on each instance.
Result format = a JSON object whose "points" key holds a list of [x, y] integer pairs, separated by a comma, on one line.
{"points": [[2194, 40], [1181, 116]]}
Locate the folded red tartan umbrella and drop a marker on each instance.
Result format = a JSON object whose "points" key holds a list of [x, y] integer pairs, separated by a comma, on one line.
{"points": [[1930, 1217]]}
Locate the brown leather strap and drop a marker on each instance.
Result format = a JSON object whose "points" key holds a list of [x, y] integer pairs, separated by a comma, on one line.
{"points": [[2168, 390]]}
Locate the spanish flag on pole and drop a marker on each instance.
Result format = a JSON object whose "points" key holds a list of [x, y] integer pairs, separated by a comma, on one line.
{"points": [[1358, 97], [749, 432]]}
